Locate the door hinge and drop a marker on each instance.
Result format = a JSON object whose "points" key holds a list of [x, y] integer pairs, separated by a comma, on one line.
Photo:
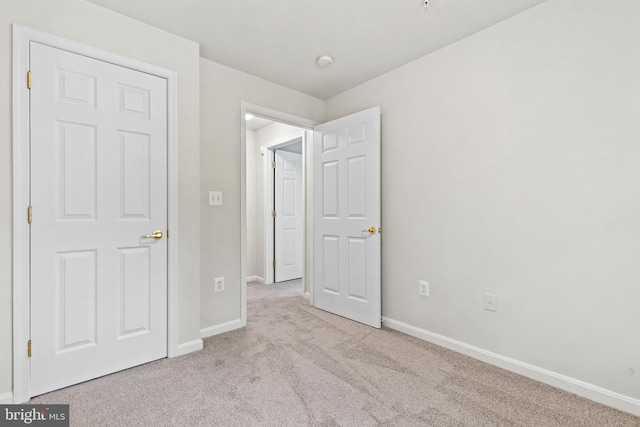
{"points": [[29, 348], [273, 262], [29, 214], [273, 164], [28, 79], [273, 214]]}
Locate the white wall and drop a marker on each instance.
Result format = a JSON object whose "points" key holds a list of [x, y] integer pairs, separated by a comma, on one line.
{"points": [[511, 165], [222, 89], [92, 25]]}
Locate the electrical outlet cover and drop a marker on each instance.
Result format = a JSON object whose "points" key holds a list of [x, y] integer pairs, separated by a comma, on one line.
{"points": [[218, 284], [490, 302], [423, 288]]}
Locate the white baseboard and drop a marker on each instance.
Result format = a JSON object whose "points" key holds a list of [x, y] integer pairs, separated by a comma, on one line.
{"points": [[572, 385], [255, 279], [307, 295], [221, 328], [189, 347], [6, 398]]}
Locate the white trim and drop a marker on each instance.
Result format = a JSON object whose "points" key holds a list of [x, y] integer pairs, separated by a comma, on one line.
{"points": [[6, 398], [221, 328], [572, 385], [279, 116], [189, 347], [243, 215], [173, 234], [22, 36], [308, 226], [268, 156], [255, 279], [282, 118], [21, 185]]}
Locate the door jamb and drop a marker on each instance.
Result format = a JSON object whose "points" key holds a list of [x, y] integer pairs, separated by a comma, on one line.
{"points": [[22, 36], [293, 120]]}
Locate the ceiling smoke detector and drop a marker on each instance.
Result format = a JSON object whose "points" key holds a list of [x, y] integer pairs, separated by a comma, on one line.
{"points": [[324, 61]]}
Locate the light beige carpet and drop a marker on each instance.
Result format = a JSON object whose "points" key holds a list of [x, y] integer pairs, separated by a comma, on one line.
{"points": [[297, 366]]}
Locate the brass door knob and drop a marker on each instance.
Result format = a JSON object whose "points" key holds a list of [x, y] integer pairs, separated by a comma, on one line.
{"points": [[371, 230], [155, 235]]}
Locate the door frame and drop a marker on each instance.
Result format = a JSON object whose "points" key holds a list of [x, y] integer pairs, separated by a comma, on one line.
{"points": [[307, 125], [22, 36], [269, 194]]}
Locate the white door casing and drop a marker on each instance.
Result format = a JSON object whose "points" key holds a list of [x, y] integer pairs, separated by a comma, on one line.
{"points": [[289, 221], [99, 165], [346, 191]]}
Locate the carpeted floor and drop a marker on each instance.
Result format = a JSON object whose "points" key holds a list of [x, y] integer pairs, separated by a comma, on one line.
{"points": [[294, 365]]}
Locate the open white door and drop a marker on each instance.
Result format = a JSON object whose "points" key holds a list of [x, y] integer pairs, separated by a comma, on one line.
{"points": [[346, 191], [98, 186], [289, 251]]}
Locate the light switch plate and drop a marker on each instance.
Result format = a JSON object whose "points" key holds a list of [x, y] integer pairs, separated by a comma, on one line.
{"points": [[215, 198]]}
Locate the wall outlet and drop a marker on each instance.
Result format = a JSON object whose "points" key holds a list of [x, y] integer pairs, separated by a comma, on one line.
{"points": [[215, 198], [218, 284], [423, 288], [490, 302]]}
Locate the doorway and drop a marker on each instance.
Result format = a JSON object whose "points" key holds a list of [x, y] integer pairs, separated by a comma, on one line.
{"points": [[342, 192], [275, 199]]}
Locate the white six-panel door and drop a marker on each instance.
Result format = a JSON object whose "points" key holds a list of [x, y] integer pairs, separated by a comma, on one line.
{"points": [[346, 191], [289, 251], [98, 184]]}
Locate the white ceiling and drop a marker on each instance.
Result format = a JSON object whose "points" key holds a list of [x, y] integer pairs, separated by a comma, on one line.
{"points": [[279, 40]]}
